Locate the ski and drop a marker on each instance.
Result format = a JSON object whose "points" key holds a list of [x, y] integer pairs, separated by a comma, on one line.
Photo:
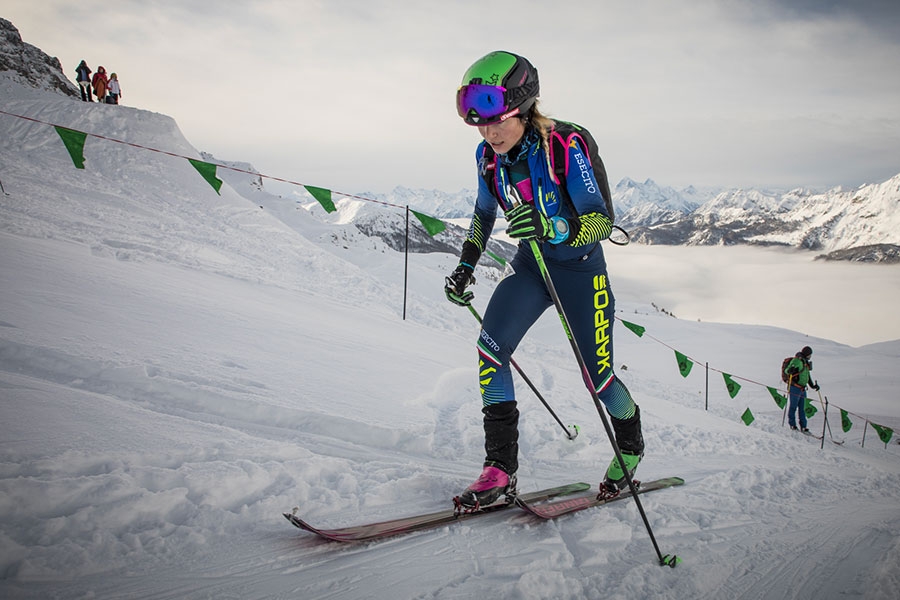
{"points": [[812, 435], [556, 508], [383, 529]]}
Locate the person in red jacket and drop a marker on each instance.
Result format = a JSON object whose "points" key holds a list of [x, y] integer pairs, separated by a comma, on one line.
{"points": [[100, 83]]}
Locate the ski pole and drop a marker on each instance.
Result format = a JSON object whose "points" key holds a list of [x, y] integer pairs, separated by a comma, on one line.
{"points": [[827, 424], [669, 559], [787, 407], [534, 389]]}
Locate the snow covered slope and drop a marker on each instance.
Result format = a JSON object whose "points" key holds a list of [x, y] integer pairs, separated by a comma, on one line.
{"points": [[178, 367]]}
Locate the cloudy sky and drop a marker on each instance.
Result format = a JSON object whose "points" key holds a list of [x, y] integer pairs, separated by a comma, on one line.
{"points": [[357, 95]]}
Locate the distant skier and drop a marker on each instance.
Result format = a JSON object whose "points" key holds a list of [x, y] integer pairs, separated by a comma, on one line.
{"points": [[569, 219], [83, 77], [798, 371]]}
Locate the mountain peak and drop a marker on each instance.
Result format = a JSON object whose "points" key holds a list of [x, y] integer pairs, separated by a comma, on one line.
{"points": [[29, 65]]}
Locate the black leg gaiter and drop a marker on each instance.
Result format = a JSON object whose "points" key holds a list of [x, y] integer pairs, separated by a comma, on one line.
{"points": [[501, 436], [628, 433]]}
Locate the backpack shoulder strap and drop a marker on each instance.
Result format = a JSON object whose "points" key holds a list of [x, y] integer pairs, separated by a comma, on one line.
{"points": [[561, 137], [487, 168]]}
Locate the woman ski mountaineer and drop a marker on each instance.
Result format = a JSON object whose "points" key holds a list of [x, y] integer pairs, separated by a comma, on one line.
{"points": [[569, 219]]}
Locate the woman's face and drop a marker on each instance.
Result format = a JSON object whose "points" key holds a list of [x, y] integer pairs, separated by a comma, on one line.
{"points": [[504, 135]]}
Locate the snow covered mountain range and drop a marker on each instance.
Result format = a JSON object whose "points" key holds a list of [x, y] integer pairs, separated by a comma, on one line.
{"points": [[862, 224]]}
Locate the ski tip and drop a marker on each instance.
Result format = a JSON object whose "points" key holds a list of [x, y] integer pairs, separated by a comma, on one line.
{"points": [[669, 560], [577, 429], [292, 516]]}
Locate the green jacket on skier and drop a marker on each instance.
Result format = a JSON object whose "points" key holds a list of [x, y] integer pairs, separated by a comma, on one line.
{"points": [[798, 369]]}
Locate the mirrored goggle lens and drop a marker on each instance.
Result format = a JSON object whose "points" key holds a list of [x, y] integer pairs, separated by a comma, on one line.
{"points": [[487, 101]]}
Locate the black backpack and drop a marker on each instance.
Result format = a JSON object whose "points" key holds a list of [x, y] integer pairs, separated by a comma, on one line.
{"points": [[560, 138]]}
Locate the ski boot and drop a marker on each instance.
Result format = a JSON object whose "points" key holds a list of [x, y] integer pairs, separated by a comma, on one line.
{"points": [[487, 489], [615, 479], [631, 444]]}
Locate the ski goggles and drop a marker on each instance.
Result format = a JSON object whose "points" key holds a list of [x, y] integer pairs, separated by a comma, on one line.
{"points": [[480, 104]]}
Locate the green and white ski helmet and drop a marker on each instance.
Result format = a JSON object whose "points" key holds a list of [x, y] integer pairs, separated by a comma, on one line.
{"points": [[496, 87]]}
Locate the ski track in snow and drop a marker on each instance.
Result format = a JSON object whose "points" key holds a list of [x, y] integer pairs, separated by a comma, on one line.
{"points": [[178, 368]]}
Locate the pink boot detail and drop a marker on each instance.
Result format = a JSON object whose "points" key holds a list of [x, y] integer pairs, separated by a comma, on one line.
{"points": [[490, 485]]}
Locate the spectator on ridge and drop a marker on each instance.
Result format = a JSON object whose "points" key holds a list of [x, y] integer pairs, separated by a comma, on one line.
{"points": [[84, 81], [100, 83], [115, 90]]}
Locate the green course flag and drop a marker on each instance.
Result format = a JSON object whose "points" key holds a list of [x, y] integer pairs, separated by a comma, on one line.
{"points": [[684, 363], [74, 141], [780, 400], [885, 433], [323, 197], [846, 423], [208, 171], [733, 386], [747, 417], [810, 410], [500, 260], [637, 329], [432, 226]]}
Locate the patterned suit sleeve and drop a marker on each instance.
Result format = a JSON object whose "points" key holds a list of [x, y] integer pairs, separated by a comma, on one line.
{"points": [[592, 223]]}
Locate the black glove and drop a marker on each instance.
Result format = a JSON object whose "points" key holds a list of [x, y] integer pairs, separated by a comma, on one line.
{"points": [[527, 222], [814, 385], [455, 285]]}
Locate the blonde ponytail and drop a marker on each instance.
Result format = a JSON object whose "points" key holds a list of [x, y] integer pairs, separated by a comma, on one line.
{"points": [[543, 125]]}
